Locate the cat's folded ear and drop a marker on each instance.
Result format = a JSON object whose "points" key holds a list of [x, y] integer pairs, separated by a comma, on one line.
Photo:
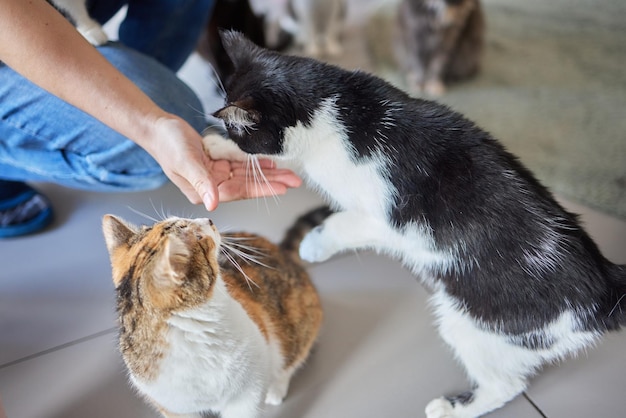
{"points": [[240, 50], [171, 265], [241, 113], [117, 232]]}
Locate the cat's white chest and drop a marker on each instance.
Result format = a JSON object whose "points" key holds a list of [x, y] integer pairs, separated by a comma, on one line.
{"points": [[215, 353], [323, 152]]}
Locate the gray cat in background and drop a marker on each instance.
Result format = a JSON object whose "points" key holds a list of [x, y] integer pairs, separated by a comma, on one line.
{"points": [[320, 23], [442, 42]]}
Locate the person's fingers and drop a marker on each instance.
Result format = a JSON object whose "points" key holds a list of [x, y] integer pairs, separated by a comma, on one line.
{"points": [[236, 190], [263, 163], [198, 182], [279, 175]]}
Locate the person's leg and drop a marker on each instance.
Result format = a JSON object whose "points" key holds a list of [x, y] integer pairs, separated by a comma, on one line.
{"points": [[45, 139], [167, 30]]}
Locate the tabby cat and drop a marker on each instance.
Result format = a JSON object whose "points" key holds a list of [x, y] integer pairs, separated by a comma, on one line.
{"points": [[443, 42], [211, 322], [516, 282]]}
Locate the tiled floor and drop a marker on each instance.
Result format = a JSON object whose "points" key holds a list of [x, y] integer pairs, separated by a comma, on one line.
{"points": [[378, 355]]}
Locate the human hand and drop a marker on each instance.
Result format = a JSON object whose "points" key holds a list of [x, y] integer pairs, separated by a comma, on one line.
{"points": [[177, 147], [248, 179]]}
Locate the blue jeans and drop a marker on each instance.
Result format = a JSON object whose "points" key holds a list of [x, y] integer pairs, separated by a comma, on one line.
{"points": [[45, 139]]}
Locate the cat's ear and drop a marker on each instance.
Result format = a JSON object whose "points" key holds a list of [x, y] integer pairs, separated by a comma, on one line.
{"points": [[171, 265], [117, 232], [240, 114], [240, 50]]}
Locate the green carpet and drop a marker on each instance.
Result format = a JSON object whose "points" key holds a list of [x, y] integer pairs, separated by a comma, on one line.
{"points": [[552, 90]]}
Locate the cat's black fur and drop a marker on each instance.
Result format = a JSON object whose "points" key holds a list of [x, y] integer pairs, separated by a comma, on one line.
{"points": [[524, 259], [236, 15]]}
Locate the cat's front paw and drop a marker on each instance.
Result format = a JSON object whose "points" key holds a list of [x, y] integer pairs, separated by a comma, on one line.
{"points": [[440, 408], [314, 248], [220, 148]]}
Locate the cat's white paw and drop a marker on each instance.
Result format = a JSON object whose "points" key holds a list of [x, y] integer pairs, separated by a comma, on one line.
{"points": [[273, 399], [275, 396], [440, 408], [220, 148], [94, 34], [314, 248]]}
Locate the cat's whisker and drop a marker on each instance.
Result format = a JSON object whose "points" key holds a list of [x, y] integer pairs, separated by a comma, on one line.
{"points": [[261, 179], [217, 82], [245, 256], [239, 269], [199, 113], [251, 172], [617, 305], [161, 213], [144, 215], [243, 247], [210, 128]]}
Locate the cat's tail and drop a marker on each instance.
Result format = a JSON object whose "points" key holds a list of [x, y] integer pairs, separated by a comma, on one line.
{"points": [[294, 235]]}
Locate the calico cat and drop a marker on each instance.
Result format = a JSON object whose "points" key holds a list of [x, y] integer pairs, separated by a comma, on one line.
{"points": [[211, 322], [76, 12], [442, 42], [516, 282], [320, 25]]}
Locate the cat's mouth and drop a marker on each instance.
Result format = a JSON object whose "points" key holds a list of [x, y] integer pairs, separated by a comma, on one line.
{"points": [[201, 228]]}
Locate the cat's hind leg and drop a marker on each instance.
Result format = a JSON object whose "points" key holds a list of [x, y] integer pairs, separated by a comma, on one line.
{"points": [[279, 386], [498, 369], [245, 405], [168, 414]]}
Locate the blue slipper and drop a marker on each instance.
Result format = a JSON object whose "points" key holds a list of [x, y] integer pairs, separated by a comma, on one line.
{"points": [[23, 211]]}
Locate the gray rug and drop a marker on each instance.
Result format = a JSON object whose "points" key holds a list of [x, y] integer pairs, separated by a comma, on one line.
{"points": [[552, 90]]}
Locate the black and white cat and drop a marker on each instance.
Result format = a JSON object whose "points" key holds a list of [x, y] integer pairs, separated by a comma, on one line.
{"points": [[516, 283], [76, 12]]}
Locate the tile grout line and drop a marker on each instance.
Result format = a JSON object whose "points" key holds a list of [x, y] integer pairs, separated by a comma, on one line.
{"points": [[59, 347], [534, 405]]}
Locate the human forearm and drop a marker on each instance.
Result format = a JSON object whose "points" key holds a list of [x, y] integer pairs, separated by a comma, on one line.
{"points": [[37, 42]]}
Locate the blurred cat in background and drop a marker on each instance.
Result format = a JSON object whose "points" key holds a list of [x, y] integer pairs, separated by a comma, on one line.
{"points": [[211, 322], [260, 20], [442, 42], [76, 12], [320, 25]]}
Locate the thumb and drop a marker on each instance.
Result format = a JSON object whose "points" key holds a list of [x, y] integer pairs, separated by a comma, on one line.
{"points": [[197, 185], [207, 191]]}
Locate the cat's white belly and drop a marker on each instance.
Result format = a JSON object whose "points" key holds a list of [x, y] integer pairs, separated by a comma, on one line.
{"points": [[483, 351], [216, 355]]}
